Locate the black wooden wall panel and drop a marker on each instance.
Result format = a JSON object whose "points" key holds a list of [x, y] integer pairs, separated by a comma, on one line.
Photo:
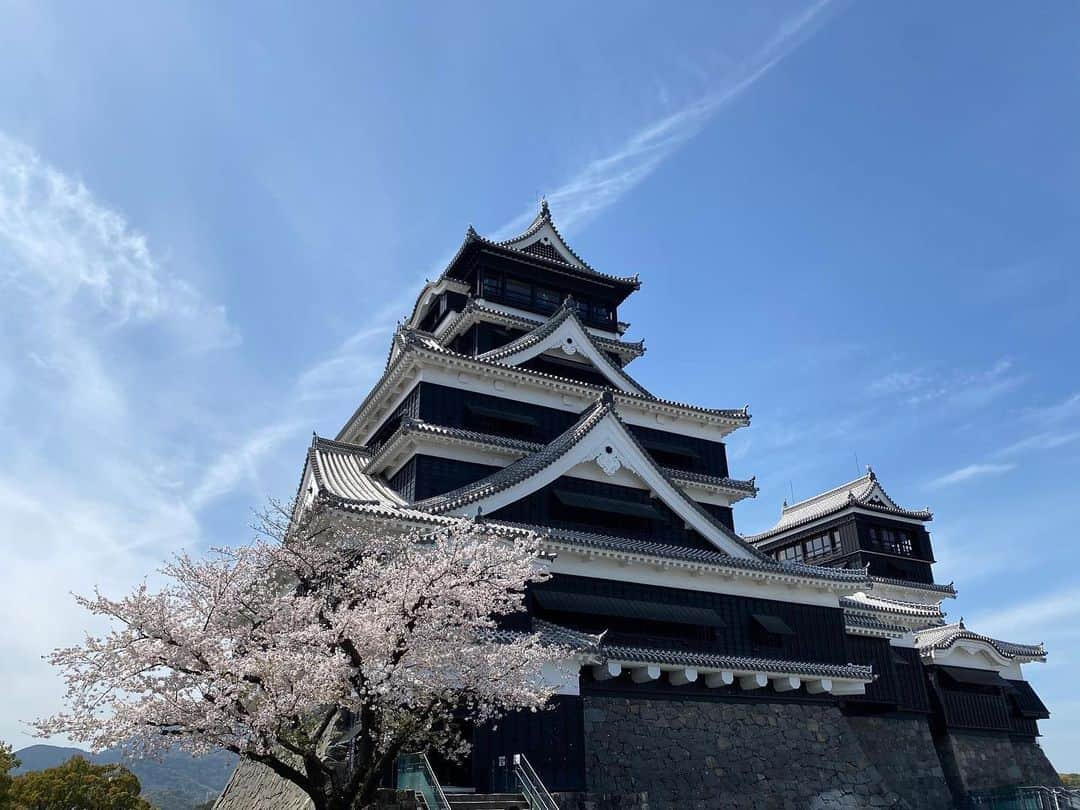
{"points": [[403, 482], [818, 631], [910, 679], [542, 509], [724, 514], [569, 370], [552, 740], [975, 708], [484, 337], [443, 405], [434, 475], [877, 653], [409, 406]]}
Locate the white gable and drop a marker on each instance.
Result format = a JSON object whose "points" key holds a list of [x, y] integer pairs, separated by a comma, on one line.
{"points": [[570, 340], [609, 447], [543, 236]]}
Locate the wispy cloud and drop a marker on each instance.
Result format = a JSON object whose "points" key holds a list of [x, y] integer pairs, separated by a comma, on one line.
{"points": [[969, 472], [899, 382], [1033, 617], [336, 382], [603, 181], [62, 247], [1067, 410], [88, 487], [1046, 440], [240, 463], [1055, 426], [965, 389], [344, 373]]}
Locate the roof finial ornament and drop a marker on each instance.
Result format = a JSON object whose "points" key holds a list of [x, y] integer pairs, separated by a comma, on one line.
{"points": [[479, 516], [607, 398], [870, 473], [962, 623], [545, 212]]}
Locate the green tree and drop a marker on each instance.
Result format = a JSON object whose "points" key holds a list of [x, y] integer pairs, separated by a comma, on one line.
{"points": [[78, 785], [8, 763], [1070, 780]]}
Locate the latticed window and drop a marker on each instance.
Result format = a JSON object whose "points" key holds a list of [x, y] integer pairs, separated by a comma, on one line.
{"points": [[492, 285], [791, 553], [518, 292], [891, 541]]}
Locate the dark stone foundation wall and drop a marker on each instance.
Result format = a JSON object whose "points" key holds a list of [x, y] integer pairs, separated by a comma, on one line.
{"points": [[672, 755], [975, 762], [902, 749]]}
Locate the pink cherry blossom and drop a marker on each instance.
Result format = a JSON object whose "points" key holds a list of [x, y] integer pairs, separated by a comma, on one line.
{"points": [[327, 631]]}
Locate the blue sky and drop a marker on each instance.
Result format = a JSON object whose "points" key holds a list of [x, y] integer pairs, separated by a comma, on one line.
{"points": [[857, 217]]}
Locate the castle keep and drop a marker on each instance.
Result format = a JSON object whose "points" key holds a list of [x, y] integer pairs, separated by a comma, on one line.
{"points": [[809, 665]]}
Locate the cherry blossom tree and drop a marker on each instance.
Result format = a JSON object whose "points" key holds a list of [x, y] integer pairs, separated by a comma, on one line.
{"points": [[323, 650]]}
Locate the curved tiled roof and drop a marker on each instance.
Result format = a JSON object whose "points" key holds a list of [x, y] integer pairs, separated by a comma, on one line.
{"points": [[854, 622], [877, 604], [565, 312], [473, 306], [550, 633], [338, 471], [945, 590], [942, 638], [588, 541], [338, 468], [523, 468], [619, 652], [540, 222], [411, 425], [413, 338], [626, 282], [409, 340], [747, 485], [530, 465], [864, 492]]}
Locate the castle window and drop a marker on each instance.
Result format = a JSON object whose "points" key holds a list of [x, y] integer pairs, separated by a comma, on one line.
{"points": [[821, 545], [891, 541], [601, 312], [547, 300], [518, 292], [791, 553], [768, 630], [492, 285]]}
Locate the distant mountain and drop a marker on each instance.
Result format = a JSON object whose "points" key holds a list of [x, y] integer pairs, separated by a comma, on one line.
{"points": [[179, 782]]}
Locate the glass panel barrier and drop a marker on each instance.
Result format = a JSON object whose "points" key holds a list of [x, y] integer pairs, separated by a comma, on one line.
{"points": [[414, 773]]}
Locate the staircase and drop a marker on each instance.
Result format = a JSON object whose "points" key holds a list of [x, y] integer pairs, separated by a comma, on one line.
{"points": [[487, 801], [509, 773]]}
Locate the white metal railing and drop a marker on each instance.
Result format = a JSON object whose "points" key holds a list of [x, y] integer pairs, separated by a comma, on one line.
{"points": [[1035, 797], [531, 786]]}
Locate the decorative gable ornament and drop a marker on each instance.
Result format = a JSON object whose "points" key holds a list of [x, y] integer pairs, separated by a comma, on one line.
{"points": [[608, 460]]}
